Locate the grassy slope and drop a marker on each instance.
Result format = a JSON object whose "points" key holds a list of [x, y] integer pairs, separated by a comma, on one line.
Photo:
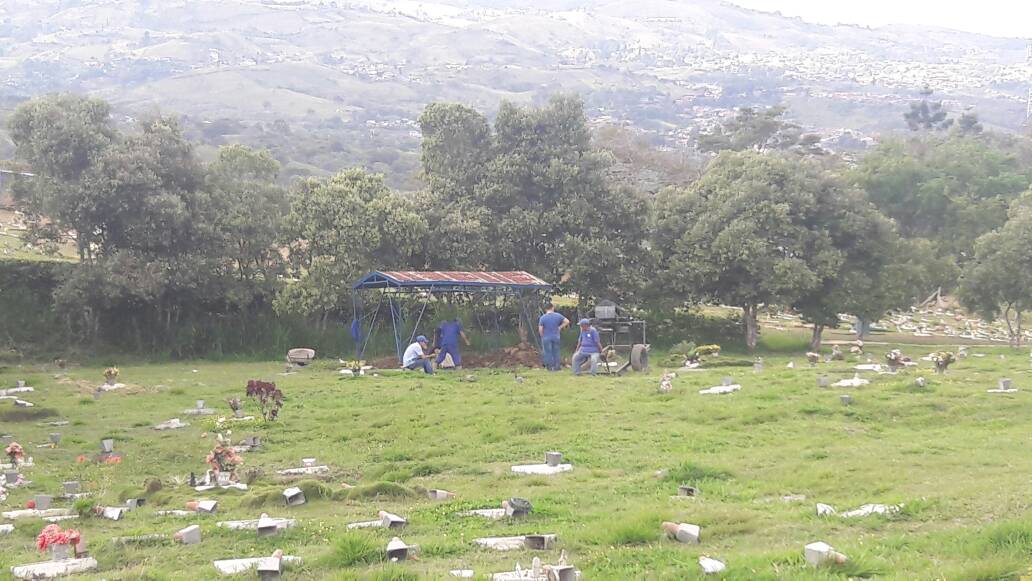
{"points": [[953, 453]]}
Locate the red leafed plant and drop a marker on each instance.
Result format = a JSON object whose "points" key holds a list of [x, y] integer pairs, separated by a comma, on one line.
{"points": [[268, 396], [53, 535]]}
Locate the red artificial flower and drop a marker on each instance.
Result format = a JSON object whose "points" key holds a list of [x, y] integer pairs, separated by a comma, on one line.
{"points": [[113, 460], [81, 459], [30, 504]]}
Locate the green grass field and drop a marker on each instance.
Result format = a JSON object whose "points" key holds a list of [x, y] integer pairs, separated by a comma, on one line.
{"points": [[952, 454]]}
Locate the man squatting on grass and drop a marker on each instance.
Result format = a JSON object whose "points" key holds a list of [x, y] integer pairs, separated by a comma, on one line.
{"points": [[588, 347], [415, 356], [550, 326]]}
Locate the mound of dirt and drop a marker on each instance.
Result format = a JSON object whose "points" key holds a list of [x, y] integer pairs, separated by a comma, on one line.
{"points": [[522, 355]]}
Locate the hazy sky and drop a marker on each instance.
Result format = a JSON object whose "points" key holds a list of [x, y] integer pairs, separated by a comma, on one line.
{"points": [[995, 17]]}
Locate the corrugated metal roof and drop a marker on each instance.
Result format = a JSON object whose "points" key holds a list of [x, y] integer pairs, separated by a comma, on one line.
{"points": [[410, 278]]}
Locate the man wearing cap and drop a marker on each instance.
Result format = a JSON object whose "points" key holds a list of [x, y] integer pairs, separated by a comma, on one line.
{"points": [[588, 347], [415, 356]]}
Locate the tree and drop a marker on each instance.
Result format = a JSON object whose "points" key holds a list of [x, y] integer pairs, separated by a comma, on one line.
{"points": [[753, 231], [864, 282], [760, 130], [947, 189], [249, 210], [927, 115], [61, 137], [341, 228], [998, 282], [538, 201]]}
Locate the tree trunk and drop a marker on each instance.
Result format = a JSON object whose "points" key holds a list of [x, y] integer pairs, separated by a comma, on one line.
{"points": [[1017, 338], [752, 330], [816, 337], [1010, 327]]}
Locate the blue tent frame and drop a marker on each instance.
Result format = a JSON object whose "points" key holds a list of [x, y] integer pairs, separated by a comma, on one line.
{"points": [[390, 287]]}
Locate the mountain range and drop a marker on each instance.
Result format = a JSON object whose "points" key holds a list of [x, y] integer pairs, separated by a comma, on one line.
{"points": [[329, 84]]}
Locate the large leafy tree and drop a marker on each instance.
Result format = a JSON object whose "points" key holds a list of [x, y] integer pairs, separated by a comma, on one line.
{"points": [[998, 282], [538, 200], [250, 207], [757, 229], [949, 190], [340, 228], [61, 137]]}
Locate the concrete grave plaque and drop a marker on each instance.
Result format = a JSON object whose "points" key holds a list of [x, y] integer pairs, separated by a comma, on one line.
{"points": [[207, 506], [437, 494], [43, 501], [540, 542], [52, 569], [71, 488], [191, 535], [553, 459], [398, 550], [294, 496], [392, 521]]}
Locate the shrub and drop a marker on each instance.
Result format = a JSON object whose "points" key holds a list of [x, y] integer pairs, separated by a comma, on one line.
{"points": [[353, 549]]}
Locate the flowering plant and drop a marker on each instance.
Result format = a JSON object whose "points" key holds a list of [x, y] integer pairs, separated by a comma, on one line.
{"points": [[222, 457], [942, 360], [15, 452], [53, 535], [111, 374], [268, 396]]}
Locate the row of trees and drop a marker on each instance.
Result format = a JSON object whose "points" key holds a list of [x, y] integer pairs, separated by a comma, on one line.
{"points": [[773, 220]]}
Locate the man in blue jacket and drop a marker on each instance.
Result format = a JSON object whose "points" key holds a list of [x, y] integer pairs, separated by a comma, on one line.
{"points": [[589, 346], [449, 333]]}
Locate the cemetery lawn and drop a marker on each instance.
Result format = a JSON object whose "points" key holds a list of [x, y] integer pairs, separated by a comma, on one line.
{"points": [[955, 457]]}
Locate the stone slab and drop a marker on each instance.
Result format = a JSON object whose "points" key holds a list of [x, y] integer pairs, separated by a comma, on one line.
{"points": [[237, 566], [173, 424], [33, 513], [252, 525], [6, 529], [367, 524], [303, 471], [721, 389], [502, 543], [53, 569], [492, 513], [542, 469]]}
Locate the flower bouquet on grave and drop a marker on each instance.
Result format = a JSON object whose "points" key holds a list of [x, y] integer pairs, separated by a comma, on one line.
{"points": [[895, 359], [942, 360], [57, 541], [223, 459], [15, 452], [268, 396], [111, 375]]}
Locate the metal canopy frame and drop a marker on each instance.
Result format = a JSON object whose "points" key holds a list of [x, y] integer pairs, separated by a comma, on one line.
{"points": [[478, 286]]}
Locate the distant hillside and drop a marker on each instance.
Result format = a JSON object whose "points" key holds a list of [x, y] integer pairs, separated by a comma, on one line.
{"points": [[328, 84]]}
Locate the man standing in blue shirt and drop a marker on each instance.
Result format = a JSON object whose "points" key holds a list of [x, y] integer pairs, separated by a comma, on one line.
{"points": [[588, 347], [550, 325], [449, 333]]}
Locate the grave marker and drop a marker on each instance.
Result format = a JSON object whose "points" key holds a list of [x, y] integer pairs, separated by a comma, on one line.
{"points": [[43, 501], [553, 458], [846, 399], [71, 488], [294, 496], [191, 535], [540, 542], [437, 494], [398, 550]]}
